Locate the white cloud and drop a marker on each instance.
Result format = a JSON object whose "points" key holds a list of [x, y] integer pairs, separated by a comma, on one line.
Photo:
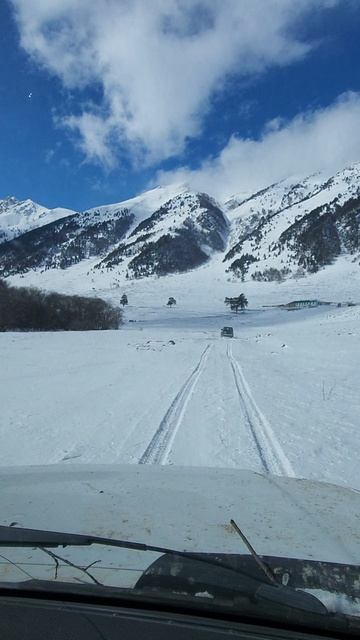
{"points": [[328, 138], [94, 137], [157, 62]]}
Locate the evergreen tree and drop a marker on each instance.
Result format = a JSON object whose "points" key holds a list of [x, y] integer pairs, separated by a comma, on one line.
{"points": [[171, 301], [124, 300], [236, 303], [243, 301]]}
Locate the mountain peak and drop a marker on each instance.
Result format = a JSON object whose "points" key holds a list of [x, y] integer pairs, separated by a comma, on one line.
{"points": [[301, 223], [20, 216]]}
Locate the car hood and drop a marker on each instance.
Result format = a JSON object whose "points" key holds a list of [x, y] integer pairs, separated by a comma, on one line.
{"points": [[187, 508]]}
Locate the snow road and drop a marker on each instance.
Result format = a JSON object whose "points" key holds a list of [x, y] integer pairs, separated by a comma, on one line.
{"points": [[280, 398], [160, 445], [270, 452], [253, 427]]}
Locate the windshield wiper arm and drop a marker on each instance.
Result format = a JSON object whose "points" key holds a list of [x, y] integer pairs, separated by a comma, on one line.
{"points": [[22, 537], [276, 592], [263, 566]]}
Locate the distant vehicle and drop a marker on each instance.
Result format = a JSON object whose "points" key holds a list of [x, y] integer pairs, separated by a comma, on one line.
{"points": [[227, 332]]}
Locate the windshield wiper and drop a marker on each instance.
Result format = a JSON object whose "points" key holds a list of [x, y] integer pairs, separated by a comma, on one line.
{"points": [[286, 596], [263, 566], [21, 537], [274, 591]]}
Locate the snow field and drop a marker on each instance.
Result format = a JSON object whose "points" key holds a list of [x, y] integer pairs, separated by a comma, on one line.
{"points": [[281, 398]]}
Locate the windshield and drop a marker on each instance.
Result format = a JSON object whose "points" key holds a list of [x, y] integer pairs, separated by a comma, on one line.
{"points": [[180, 291], [269, 587]]}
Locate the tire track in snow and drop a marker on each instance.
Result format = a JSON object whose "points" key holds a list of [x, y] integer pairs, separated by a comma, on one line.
{"points": [[159, 447], [271, 454]]}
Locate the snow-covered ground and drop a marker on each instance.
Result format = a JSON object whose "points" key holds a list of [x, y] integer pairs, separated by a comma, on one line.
{"points": [[282, 397]]}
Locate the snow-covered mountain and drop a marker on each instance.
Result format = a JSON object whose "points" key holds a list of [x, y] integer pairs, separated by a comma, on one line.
{"points": [[19, 216], [294, 227], [180, 235], [151, 234]]}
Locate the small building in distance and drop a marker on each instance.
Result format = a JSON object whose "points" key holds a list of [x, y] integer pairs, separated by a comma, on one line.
{"points": [[302, 304]]}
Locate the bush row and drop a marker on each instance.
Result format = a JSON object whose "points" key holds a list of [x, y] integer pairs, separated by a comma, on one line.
{"points": [[28, 309]]}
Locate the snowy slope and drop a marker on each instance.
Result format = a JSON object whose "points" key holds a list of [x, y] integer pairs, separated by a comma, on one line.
{"points": [[62, 242], [141, 206], [291, 229], [19, 216], [258, 224], [179, 235], [246, 213]]}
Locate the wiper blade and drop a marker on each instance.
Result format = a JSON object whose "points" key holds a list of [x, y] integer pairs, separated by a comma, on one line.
{"points": [[22, 537]]}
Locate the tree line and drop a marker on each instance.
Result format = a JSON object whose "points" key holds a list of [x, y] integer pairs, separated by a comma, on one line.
{"points": [[30, 309]]}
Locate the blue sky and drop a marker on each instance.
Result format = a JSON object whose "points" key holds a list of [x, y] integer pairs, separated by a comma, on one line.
{"points": [[100, 123]]}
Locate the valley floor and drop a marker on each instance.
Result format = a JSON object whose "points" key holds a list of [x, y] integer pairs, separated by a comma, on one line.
{"points": [[281, 397]]}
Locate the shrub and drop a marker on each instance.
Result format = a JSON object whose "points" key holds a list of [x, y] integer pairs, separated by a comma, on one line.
{"points": [[271, 275], [29, 309]]}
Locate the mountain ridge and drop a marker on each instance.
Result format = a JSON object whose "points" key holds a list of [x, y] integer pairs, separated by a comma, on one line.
{"points": [[295, 226]]}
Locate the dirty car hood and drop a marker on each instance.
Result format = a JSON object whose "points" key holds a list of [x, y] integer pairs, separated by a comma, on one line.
{"points": [[183, 508]]}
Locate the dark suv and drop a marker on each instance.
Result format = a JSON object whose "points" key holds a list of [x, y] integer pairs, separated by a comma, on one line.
{"points": [[227, 332]]}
